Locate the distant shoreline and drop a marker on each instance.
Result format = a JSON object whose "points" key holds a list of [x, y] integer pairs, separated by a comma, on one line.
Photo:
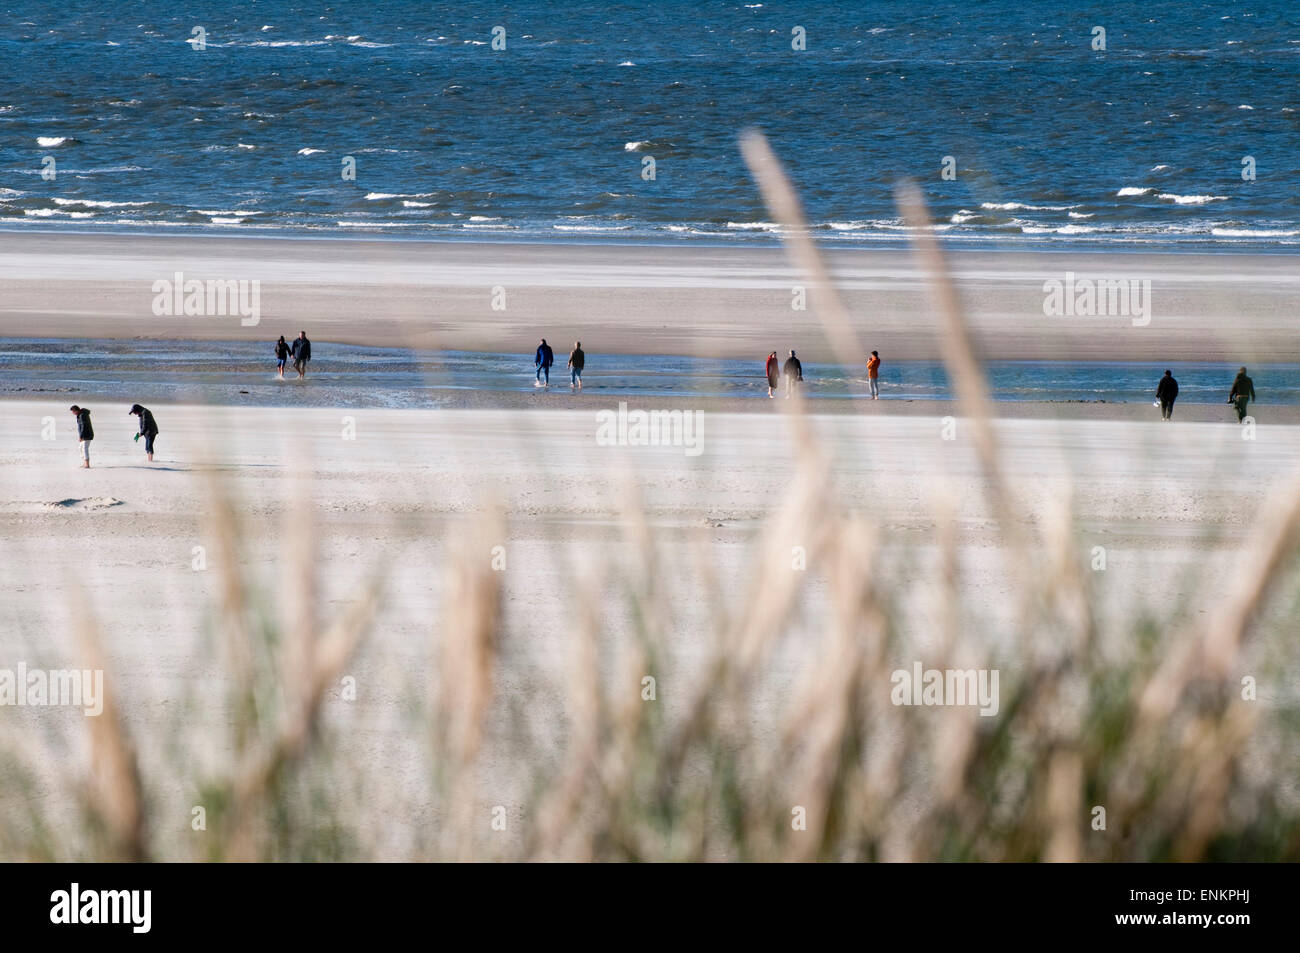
{"points": [[741, 239]]}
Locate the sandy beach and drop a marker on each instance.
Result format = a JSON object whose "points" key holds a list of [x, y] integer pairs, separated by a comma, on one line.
{"points": [[646, 299], [1165, 503]]}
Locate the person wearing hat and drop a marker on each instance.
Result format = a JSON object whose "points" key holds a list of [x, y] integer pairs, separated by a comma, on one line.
{"points": [[148, 428], [85, 433]]}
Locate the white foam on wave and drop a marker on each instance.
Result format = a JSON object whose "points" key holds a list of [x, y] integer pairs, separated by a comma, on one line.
{"points": [[111, 168], [1191, 199], [380, 196], [309, 152], [627, 63], [1252, 233], [51, 141], [1057, 229], [1013, 206], [94, 203], [407, 203], [591, 228], [635, 146], [1082, 214], [754, 226], [52, 212], [355, 224], [1133, 190]]}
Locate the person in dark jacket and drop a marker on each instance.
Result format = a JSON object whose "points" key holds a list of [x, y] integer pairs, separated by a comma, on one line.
{"points": [[1242, 393], [85, 433], [576, 361], [301, 353], [148, 428], [773, 372], [281, 355], [793, 374], [1167, 393], [544, 358]]}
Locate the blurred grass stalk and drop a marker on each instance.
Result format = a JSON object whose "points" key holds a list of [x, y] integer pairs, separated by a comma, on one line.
{"points": [[1157, 738]]}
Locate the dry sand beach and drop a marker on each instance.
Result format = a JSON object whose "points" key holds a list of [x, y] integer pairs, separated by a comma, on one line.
{"points": [[1169, 505]]}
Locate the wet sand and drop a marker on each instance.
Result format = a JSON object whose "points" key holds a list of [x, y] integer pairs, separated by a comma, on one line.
{"points": [[647, 299]]}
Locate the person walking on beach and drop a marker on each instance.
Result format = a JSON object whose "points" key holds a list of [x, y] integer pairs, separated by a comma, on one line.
{"points": [[148, 428], [1243, 392], [576, 360], [281, 355], [1167, 393], [873, 374], [773, 371], [85, 433], [793, 374], [301, 353], [543, 359]]}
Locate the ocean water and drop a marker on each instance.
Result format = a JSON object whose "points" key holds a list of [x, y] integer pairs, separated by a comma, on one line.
{"points": [[240, 372], [1052, 141]]}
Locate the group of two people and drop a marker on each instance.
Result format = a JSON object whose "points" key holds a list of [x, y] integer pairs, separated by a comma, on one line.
{"points": [[86, 431], [545, 357], [1242, 393], [299, 350], [793, 372]]}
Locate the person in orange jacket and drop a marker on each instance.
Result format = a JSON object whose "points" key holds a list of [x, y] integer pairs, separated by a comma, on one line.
{"points": [[873, 374]]}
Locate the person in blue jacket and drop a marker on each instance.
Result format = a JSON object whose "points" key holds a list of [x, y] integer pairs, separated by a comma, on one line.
{"points": [[544, 358]]}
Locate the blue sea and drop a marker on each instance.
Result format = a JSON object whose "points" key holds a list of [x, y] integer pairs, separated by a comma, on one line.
{"points": [[1052, 141]]}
